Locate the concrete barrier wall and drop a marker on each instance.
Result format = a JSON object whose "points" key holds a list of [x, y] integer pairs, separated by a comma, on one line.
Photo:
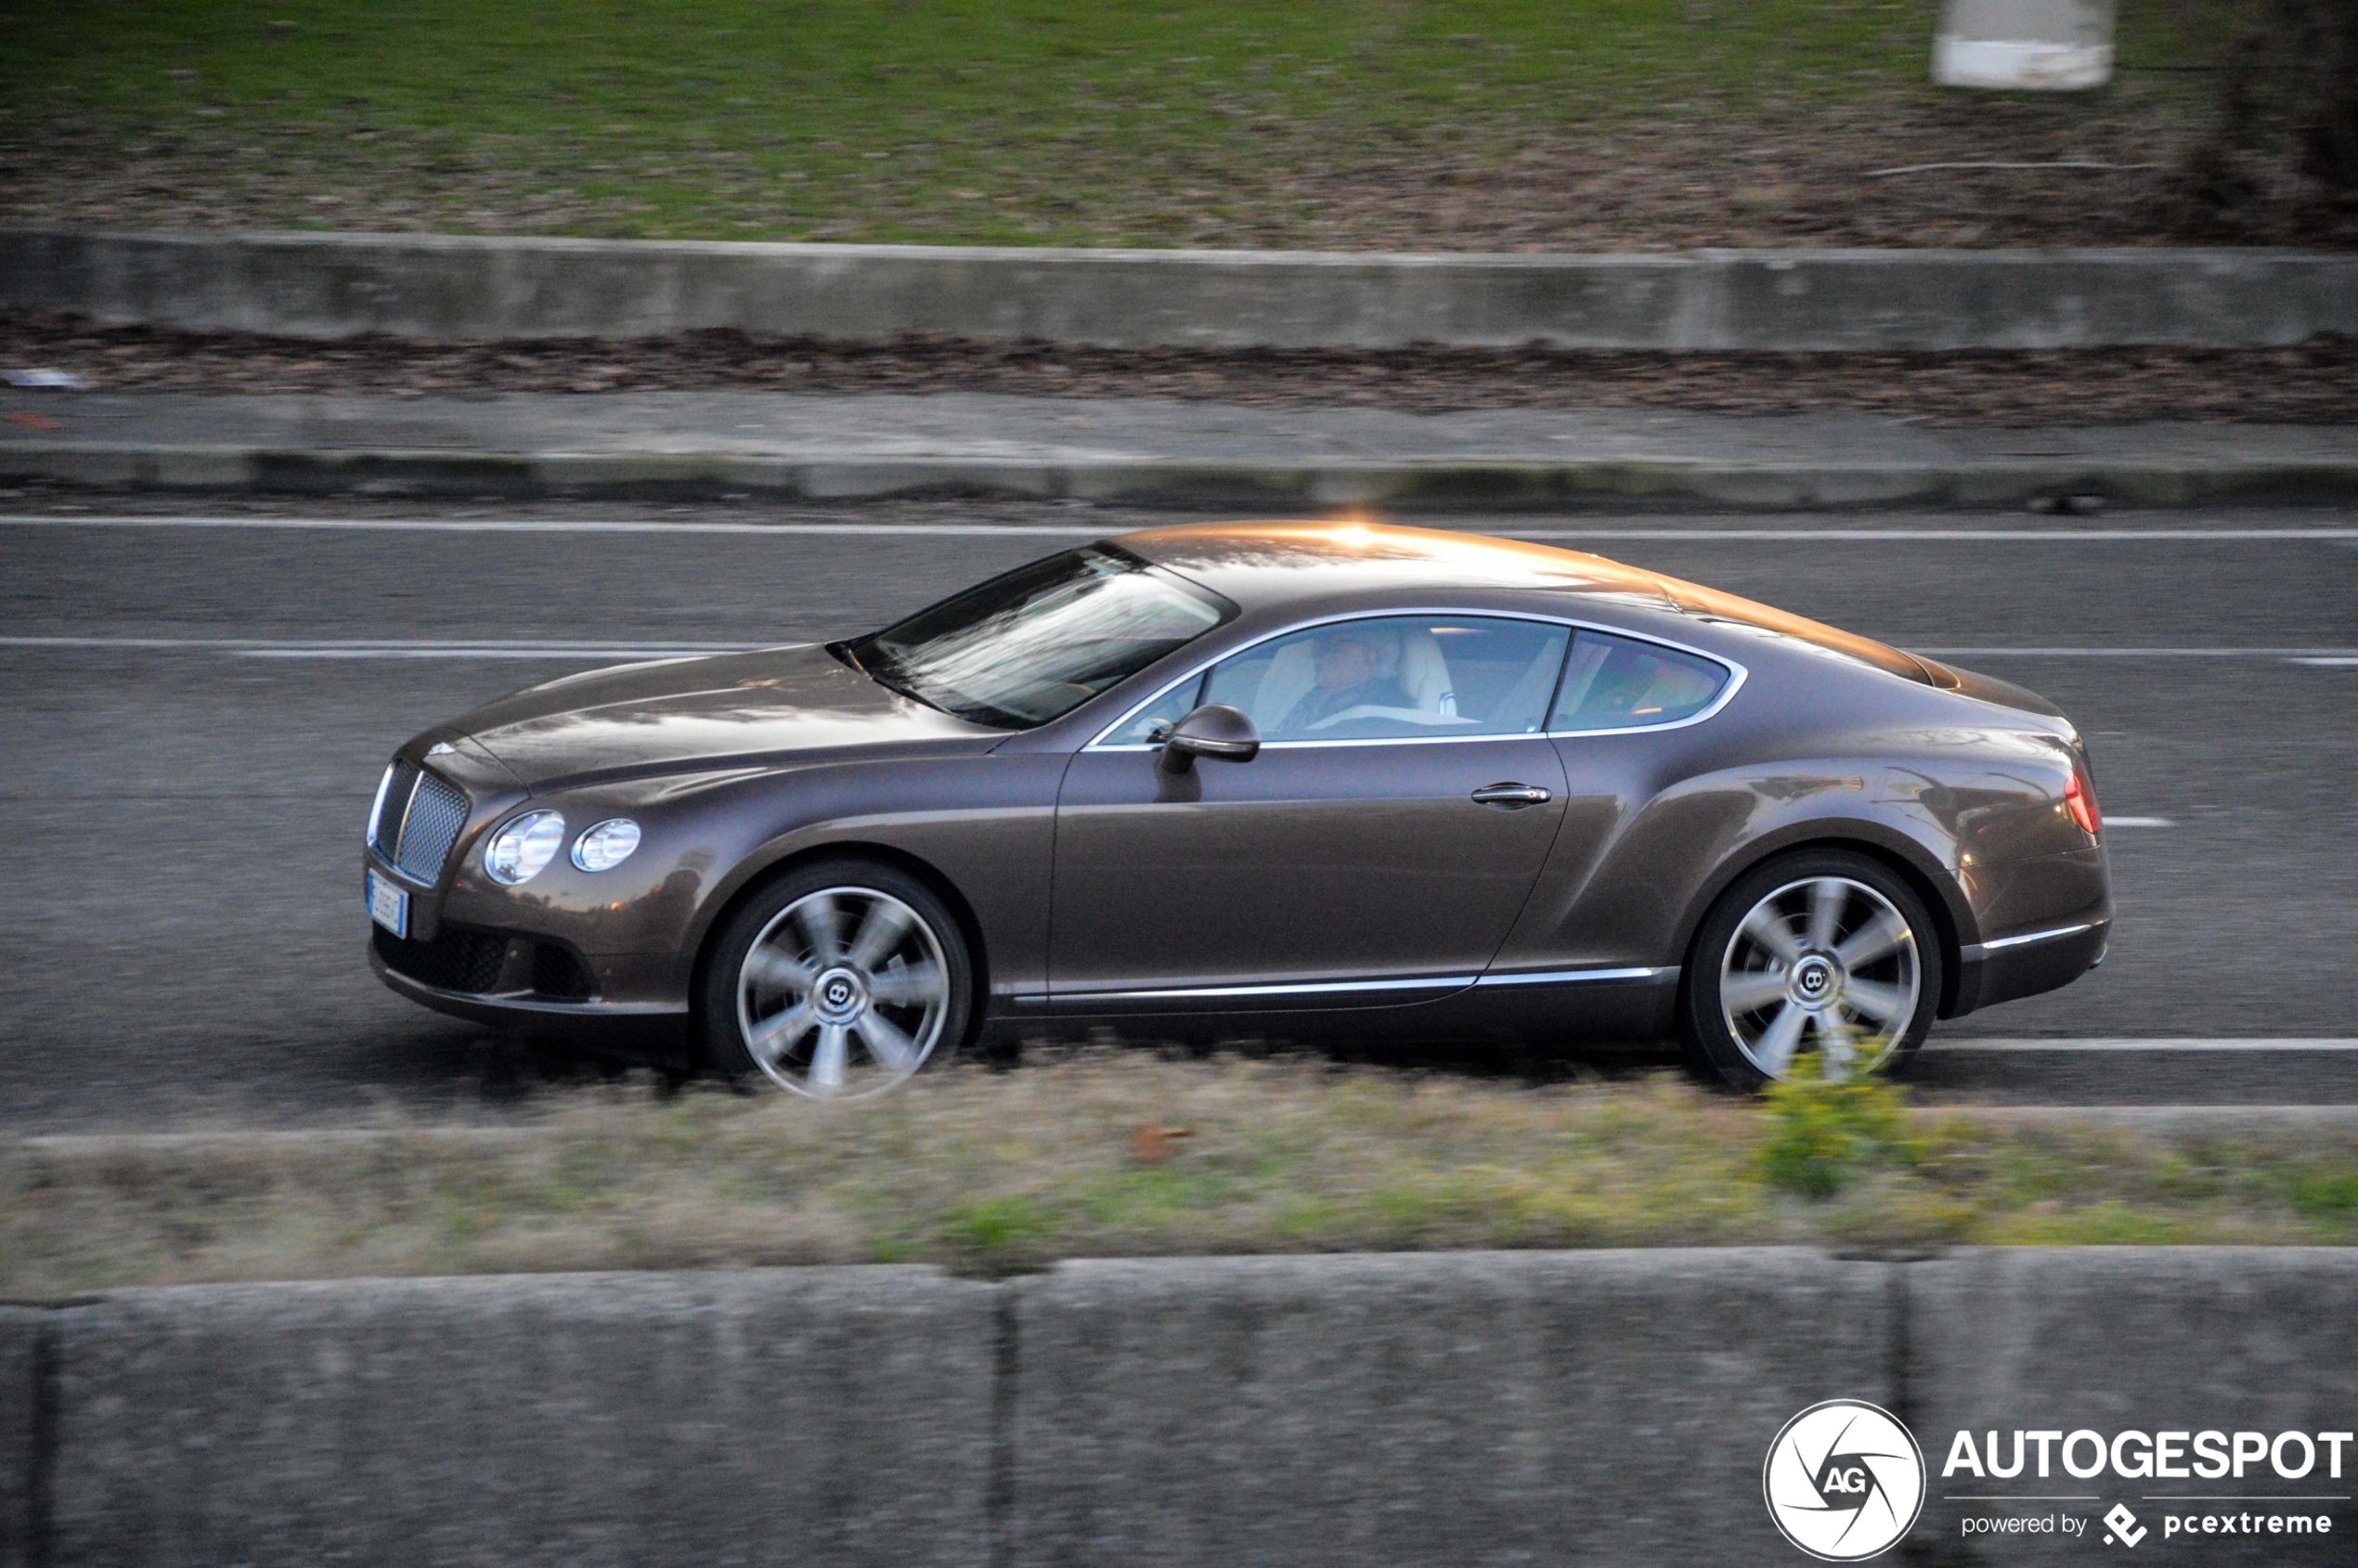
{"points": [[821, 1416], [1416, 1410], [1502, 1407], [2143, 1339], [447, 286]]}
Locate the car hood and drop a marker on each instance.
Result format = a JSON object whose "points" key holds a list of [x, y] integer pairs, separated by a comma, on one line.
{"points": [[731, 710]]}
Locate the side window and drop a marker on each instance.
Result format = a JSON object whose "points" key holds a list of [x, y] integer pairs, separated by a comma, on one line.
{"points": [[1166, 709], [1621, 684], [1396, 677]]}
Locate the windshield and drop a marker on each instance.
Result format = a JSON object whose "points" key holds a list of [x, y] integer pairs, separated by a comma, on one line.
{"points": [[1034, 644]]}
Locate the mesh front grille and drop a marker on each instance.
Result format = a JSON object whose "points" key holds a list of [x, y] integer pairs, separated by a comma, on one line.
{"points": [[454, 960], [435, 816]]}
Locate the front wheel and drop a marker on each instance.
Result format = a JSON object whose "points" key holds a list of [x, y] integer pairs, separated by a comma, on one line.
{"points": [[1823, 963], [840, 979]]}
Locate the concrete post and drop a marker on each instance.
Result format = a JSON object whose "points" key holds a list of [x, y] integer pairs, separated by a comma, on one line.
{"points": [[2037, 46]]}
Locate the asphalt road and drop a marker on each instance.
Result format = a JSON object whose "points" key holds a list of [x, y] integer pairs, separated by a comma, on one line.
{"points": [[194, 718]]}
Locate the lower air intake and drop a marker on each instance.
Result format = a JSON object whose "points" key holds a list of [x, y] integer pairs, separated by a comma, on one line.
{"points": [[456, 959]]}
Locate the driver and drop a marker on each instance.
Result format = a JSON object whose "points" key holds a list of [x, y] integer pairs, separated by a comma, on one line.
{"points": [[1351, 663]]}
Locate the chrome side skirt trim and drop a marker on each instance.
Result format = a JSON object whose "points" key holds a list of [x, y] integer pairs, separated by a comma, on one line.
{"points": [[1343, 987], [1973, 951], [1212, 992], [1574, 977]]}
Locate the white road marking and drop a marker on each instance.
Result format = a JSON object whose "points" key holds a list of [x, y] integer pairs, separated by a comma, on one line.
{"points": [[596, 526], [2155, 1118], [310, 648], [467, 651], [2163, 1042], [2330, 661], [2296, 654], [2138, 821], [493, 648], [2022, 536], [560, 525]]}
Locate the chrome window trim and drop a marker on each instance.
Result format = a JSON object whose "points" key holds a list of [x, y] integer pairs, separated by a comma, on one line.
{"points": [[1737, 676], [1972, 952]]}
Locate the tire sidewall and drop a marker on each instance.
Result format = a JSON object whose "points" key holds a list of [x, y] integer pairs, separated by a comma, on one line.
{"points": [[721, 1043], [1703, 1032]]}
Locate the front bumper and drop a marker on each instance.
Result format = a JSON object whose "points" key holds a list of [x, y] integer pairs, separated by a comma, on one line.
{"points": [[494, 978]]}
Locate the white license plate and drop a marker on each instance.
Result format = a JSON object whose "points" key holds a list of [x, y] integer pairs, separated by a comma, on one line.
{"points": [[388, 905]]}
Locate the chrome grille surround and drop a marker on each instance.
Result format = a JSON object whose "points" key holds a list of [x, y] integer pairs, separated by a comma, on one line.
{"points": [[393, 804], [418, 818], [436, 813]]}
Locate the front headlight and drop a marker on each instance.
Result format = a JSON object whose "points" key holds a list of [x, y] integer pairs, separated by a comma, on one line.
{"points": [[521, 850], [606, 845]]}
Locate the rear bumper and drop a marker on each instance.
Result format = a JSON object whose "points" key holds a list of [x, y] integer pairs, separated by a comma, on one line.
{"points": [[2011, 967]]}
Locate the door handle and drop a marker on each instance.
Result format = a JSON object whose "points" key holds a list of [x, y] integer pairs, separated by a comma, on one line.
{"points": [[1512, 796]]}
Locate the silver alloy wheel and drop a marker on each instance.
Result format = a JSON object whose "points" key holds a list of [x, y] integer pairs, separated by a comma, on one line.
{"points": [[1824, 964], [843, 993]]}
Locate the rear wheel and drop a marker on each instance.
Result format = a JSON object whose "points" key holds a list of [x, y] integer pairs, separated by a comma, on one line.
{"points": [[1823, 963], [842, 979]]}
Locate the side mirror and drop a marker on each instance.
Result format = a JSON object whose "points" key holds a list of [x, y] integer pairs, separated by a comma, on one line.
{"points": [[1215, 731]]}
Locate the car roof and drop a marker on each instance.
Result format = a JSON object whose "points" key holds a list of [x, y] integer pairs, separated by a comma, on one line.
{"points": [[1269, 565]]}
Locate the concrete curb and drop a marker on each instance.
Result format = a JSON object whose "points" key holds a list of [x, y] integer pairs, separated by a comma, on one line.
{"points": [[2159, 1121], [448, 286], [1394, 1409], [1435, 484]]}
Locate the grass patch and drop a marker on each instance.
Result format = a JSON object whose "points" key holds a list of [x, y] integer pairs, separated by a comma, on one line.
{"points": [[1821, 1133], [1019, 121], [1103, 1154]]}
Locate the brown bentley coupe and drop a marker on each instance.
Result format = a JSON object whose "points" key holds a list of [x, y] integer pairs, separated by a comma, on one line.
{"points": [[1268, 778]]}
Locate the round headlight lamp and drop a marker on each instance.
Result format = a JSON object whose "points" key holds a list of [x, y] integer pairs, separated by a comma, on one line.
{"points": [[522, 850], [605, 845]]}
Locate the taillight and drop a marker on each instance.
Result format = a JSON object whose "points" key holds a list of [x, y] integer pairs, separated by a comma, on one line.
{"points": [[2079, 799]]}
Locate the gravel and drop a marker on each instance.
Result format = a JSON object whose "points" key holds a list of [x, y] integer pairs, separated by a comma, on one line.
{"points": [[2315, 384]]}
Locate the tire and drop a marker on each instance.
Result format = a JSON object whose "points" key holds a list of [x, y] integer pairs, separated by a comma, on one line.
{"points": [[840, 979], [1821, 961]]}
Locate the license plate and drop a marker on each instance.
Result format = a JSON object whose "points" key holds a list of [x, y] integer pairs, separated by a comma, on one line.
{"points": [[388, 905]]}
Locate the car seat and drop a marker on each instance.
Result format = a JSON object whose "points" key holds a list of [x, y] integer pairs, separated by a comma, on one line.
{"points": [[1423, 672], [1414, 662]]}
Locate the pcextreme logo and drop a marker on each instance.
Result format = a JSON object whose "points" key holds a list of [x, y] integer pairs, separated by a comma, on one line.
{"points": [[1845, 1481]]}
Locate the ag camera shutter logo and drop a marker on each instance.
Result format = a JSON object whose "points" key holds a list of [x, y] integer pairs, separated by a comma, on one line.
{"points": [[1845, 1481]]}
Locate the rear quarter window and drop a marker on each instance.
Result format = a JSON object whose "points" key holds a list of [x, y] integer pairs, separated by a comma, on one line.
{"points": [[1623, 683]]}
